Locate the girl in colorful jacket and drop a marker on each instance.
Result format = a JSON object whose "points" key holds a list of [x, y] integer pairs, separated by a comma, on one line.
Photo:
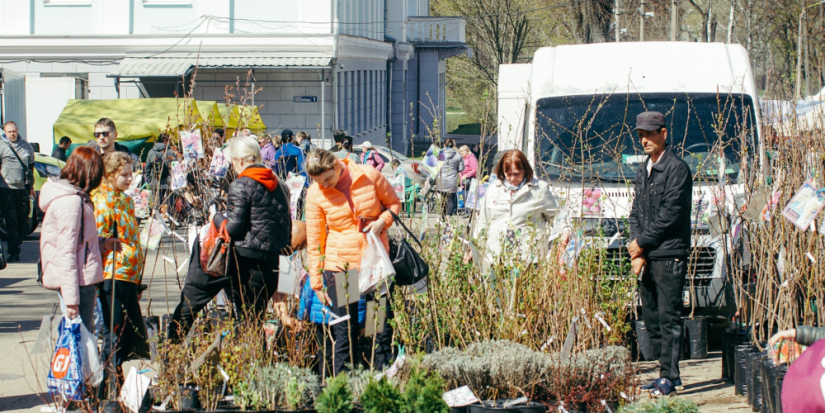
{"points": [[345, 202], [115, 216]]}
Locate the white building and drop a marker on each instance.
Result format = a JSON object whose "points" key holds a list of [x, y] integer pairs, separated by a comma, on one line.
{"points": [[321, 64]]}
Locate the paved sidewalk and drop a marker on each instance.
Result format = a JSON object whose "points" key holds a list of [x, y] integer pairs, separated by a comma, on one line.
{"points": [[23, 303]]}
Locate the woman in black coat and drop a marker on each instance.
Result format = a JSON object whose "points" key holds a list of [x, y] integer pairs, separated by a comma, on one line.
{"points": [[260, 225]]}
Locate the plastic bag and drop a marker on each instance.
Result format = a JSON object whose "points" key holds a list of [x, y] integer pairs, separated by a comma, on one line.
{"points": [[376, 266], [92, 368], [66, 373], [153, 232]]}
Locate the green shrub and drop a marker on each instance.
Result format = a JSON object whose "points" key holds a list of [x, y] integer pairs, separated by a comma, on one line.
{"points": [[268, 388], [668, 405], [337, 397], [381, 397], [422, 393]]}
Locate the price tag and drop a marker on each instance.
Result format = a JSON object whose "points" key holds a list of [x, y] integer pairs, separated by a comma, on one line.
{"points": [[686, 298]]}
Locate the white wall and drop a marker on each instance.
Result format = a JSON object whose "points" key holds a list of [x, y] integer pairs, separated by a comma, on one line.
{"points": [[45, 99], [172, 17], [278, 88]]}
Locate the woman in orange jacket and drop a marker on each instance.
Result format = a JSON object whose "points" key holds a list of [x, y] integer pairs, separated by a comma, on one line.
{"points": [[345, 201]]}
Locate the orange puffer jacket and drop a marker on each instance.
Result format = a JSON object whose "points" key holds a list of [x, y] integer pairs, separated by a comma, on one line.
{"points": [[332, 227]]}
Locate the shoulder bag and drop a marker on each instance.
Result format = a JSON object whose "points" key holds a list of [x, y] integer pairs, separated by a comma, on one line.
{"points": [[215, 250], [28, 174], [410, 268]]}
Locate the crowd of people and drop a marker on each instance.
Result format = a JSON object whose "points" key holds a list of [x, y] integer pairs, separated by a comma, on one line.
{"points": [[91, 252], [92, 255]]}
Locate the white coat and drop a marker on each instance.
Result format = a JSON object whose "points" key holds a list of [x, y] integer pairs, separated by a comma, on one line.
{"points": [[524, 214]]}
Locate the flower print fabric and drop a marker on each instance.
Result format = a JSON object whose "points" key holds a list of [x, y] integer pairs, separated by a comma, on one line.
{"points": [[114, 209]]}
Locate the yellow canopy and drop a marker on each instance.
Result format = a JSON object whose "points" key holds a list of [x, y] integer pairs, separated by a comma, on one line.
{"points": [[247, 115], [136, 119], [211, 115]]}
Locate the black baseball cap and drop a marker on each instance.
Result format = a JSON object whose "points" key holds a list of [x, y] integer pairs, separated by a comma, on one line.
{"points": [[650, 121], [286, 133]]}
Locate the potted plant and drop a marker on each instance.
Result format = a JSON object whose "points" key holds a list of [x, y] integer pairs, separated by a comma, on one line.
{"points": [[336, 397], [278, 388], [380, 396]]}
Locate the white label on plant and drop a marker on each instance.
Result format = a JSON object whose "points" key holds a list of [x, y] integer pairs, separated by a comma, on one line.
{"points": [[686, 297], [810, 257], [601, 320], [182, 265], [614, 238], [460, 397]]}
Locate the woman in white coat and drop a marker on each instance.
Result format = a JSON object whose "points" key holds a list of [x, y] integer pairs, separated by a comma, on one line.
{"points": [[514, 212], [70, 249]]}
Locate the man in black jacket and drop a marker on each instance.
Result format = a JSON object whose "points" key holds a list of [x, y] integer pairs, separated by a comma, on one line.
{"points": [[660, 234]]}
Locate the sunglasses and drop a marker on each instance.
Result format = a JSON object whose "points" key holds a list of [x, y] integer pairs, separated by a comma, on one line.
{"points": [[105, 134]]}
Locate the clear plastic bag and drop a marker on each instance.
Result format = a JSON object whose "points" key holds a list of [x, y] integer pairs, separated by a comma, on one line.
{"points": [[92, 368], [376, 266]]}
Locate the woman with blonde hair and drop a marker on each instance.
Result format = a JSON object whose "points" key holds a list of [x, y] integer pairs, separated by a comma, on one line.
{"points": [[115, 218], [344, 203], [258, 221]]}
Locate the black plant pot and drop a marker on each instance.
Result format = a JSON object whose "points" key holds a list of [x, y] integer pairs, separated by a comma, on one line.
{"points": [[189, 397], [697, 335], [643, 339], [757, 393], [749, 373], [740, 386], [780, 370], [462, 409], [495, 406]]}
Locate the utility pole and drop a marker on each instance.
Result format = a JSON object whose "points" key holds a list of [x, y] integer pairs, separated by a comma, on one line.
{"points": [[616, 16], [674, 19], [642, 21]]}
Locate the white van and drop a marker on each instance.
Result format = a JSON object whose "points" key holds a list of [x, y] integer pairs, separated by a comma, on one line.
{"points": [[573, 112]]}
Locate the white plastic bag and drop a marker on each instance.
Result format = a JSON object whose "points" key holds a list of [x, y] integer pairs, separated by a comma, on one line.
{"points": [[92, 369], [376, 266]]}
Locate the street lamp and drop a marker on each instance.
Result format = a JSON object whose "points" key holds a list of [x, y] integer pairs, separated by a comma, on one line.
{"points": [[799, 49]]}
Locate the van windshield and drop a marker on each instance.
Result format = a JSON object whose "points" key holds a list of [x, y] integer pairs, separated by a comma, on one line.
{"points": [[593, 136]]}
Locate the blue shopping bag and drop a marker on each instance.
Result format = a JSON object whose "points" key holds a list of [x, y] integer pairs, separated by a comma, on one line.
{"points": [[460, 196], [66, 371]]}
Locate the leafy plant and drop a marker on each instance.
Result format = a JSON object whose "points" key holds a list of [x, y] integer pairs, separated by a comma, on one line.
{"points": [[336, 397], [422, 393], [278, 386], [505, 370], [669, 405], [381, 396]]}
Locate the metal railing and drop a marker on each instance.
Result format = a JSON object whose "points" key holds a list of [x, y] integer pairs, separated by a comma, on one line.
{"points": [[435, 29]]}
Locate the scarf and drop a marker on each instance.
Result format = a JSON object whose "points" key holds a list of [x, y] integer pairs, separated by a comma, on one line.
{"points": [[514, 187]]}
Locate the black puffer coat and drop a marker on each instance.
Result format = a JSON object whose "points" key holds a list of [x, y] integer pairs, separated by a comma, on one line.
{"points": [[259, 220]]}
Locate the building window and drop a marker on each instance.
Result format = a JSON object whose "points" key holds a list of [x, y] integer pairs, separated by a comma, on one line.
{"points": [[167, 3], [67, 2]]}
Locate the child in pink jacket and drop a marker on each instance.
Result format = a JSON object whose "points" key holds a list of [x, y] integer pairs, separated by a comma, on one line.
{"points": [[70, 249]]}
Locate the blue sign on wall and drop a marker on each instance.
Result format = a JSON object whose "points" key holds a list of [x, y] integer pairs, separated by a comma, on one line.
{"points": [[305, 99]]}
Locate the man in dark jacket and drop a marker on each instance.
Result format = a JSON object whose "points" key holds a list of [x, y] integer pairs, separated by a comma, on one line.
{"points": [[60, 151], [660, 234], [159, 163]]}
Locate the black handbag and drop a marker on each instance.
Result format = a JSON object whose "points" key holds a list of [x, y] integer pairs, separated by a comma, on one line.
{"points": [[410, 268]]}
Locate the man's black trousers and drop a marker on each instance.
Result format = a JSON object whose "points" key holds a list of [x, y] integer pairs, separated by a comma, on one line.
{"points": [[661, 294]]}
